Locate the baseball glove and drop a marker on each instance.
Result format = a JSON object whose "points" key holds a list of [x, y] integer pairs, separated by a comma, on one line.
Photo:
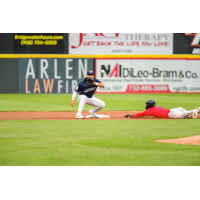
{"points": [[88, 81], [128, 116]]}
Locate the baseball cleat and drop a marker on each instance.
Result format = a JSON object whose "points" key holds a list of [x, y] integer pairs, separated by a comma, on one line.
{"points": [[79, 116], [93, 114], [196, 111]]}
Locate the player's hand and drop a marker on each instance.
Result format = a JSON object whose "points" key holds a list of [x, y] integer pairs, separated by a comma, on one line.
{"points": [[72, 103], [128, 116]]}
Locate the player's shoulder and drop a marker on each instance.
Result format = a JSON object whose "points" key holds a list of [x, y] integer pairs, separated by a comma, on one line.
{"points": [[152, 108], [81, 83]]}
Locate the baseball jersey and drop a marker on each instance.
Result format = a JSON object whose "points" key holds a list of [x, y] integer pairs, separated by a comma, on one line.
{"points": [[87, 90], [155, 111]]}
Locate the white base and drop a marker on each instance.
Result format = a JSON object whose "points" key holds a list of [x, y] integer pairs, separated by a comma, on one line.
{"points": [[100, 116]]}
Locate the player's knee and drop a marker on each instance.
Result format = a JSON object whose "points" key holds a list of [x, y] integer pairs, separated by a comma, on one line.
{"points": [[102, 105]]}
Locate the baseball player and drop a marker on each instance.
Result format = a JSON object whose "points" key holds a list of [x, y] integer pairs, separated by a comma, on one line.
{"points": [[175, 113], [86, 89]]}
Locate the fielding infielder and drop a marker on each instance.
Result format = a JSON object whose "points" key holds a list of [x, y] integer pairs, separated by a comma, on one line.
{"points": [[85, 96], [175, 113]]}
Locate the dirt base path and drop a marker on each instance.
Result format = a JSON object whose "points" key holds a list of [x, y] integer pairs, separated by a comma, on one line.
{"points": [[67, 115]]}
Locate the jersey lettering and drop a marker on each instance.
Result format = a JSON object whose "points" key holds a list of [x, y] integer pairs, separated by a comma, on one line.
{"points": [[159, 107], [89, 89]]}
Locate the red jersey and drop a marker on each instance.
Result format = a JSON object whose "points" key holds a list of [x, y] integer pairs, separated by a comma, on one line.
{"points": [[155, 111]]}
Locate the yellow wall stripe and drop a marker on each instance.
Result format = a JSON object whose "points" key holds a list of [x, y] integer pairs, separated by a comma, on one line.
{"points": [[97, 56]]}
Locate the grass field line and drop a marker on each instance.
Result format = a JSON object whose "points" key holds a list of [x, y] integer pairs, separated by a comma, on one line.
{"points": [[158, 151], [28, 103]]}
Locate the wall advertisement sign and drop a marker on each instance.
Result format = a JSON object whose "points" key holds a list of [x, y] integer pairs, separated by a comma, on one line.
{"points": [[38, 43], [148, 75], [120, 43], [51, 75]]}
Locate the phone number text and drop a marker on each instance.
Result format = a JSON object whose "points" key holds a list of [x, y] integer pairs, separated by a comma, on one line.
{"points": [[39, 42], [148, 88]]}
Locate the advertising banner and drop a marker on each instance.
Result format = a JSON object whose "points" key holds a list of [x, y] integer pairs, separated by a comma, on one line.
{"points": [[186, 43], [38, 43], [51, 75], [120, 43], [148, 75]]}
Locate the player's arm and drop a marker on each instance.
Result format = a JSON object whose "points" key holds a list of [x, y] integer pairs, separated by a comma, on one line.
{"points": [[75, 93], [141, 114], [137, 115], [98, 83], [73, 98]]}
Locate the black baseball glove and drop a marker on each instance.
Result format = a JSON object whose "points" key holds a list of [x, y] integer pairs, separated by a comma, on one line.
{"points": [[88, 81], [128, 116]]}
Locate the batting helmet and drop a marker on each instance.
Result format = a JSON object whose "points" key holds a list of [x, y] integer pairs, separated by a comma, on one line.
{"points": [[150, 103]]}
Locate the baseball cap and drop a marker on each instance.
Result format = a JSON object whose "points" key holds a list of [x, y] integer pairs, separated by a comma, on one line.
{"points": [[90, 72]]}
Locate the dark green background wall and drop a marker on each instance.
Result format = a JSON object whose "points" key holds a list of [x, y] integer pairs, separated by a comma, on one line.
{"points": [[8, 75]]}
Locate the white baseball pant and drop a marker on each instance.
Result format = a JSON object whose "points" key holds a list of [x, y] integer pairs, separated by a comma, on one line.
{"points": [[180, 113], [97, 103]]}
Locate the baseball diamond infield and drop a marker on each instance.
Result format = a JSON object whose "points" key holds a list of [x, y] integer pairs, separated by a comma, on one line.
{"points": [[114, 115], [70, 115]]}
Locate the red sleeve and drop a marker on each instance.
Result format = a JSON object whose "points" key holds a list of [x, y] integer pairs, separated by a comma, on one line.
{"points": [[146, 112]]}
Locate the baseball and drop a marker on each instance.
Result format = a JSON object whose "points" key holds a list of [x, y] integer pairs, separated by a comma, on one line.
{"points": [[102, 71]]}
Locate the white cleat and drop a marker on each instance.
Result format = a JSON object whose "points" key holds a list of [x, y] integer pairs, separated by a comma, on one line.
{"points": [[93, 114], [79, 116], [195, 113]]}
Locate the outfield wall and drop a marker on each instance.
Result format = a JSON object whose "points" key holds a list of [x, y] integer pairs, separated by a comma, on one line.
{"points": [[56, 73]]}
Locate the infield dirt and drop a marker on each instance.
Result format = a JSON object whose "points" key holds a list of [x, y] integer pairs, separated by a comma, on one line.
{"points": [[70, 115], [67, 115], [195, 140]]}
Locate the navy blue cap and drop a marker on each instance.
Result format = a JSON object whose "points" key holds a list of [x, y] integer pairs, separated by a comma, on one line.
{"points": [[90, 72]]}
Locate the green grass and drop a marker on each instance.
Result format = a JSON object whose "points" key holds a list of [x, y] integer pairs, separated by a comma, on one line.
{"points": [[96, 142], [61, 102]]}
